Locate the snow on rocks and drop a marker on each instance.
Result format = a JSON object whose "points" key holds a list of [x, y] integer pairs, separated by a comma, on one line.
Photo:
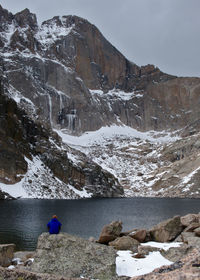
{"points": [[39, 182], [130, 155], [50, 31], [164, 246]]}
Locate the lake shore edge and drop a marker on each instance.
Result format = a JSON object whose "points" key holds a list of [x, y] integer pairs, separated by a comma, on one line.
{"points": [[183, 230]]}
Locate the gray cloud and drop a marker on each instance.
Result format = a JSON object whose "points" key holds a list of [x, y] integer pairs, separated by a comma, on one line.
{"points": [[164, 33]]}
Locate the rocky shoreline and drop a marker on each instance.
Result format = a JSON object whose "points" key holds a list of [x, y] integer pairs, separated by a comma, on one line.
{"points": [[66, 257]]}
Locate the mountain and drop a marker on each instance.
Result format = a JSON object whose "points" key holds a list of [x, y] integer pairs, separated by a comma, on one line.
{"points": [[64, 76]]}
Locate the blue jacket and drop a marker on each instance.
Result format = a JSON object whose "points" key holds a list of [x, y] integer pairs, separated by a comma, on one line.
{"points": [[54, 226]]}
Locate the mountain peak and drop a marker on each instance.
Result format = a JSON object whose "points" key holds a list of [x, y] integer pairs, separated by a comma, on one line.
{"points": [[26, 18], [5, 16]]}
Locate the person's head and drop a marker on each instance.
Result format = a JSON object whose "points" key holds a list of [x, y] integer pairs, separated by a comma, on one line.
{"points": [[54, 217]]}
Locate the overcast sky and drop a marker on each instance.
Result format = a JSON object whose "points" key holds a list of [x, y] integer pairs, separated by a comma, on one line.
{"points": [[165, 33]]}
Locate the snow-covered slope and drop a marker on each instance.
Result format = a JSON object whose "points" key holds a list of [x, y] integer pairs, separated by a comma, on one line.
{"points": [[38, 182], [141, 160], [125, 152]]}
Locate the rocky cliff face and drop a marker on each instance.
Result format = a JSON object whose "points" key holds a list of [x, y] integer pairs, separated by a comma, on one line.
{"points": [[23, 142], [64, 62], [65, 75]]}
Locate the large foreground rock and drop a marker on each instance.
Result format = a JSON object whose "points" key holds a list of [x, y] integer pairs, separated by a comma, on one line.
{"points": [[72, 256], [167, 230]]}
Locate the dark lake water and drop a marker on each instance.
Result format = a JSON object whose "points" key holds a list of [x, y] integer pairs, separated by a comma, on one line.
{"points": [[22, 221]]}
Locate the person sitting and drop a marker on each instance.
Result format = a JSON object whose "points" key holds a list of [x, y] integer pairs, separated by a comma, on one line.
{"points": [[54, 225]]}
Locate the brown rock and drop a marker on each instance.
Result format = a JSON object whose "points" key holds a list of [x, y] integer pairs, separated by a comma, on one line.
{"points": [[167, 230], [191, 227], [110, 232], [125, 243], [144, 250], [197, 231], [139, 235], [6, 254], [191, 239], [189, 219], [139, 256]]}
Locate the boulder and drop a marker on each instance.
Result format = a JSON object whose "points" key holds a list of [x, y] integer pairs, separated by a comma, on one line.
{"points": [[71, 256], [125, 243], [167, 230], [174, 254], [190, 239], [197, 231], [110, 232], [139, 235], [189, 219], [191, 227], [6, 254], [145, 250]]}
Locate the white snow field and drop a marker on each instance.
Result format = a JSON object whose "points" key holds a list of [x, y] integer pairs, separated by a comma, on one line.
{"points": [[130, 155], [127, 265]]}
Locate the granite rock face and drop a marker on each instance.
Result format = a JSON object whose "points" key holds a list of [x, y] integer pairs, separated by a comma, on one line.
{"points": [[71, 256]]}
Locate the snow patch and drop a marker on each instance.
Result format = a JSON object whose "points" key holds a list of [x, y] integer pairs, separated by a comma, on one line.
{"points": [[51, 32], [15, 190], [111, 132], [82, 194], [127, 265], [187, 178], [117, 94]]}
